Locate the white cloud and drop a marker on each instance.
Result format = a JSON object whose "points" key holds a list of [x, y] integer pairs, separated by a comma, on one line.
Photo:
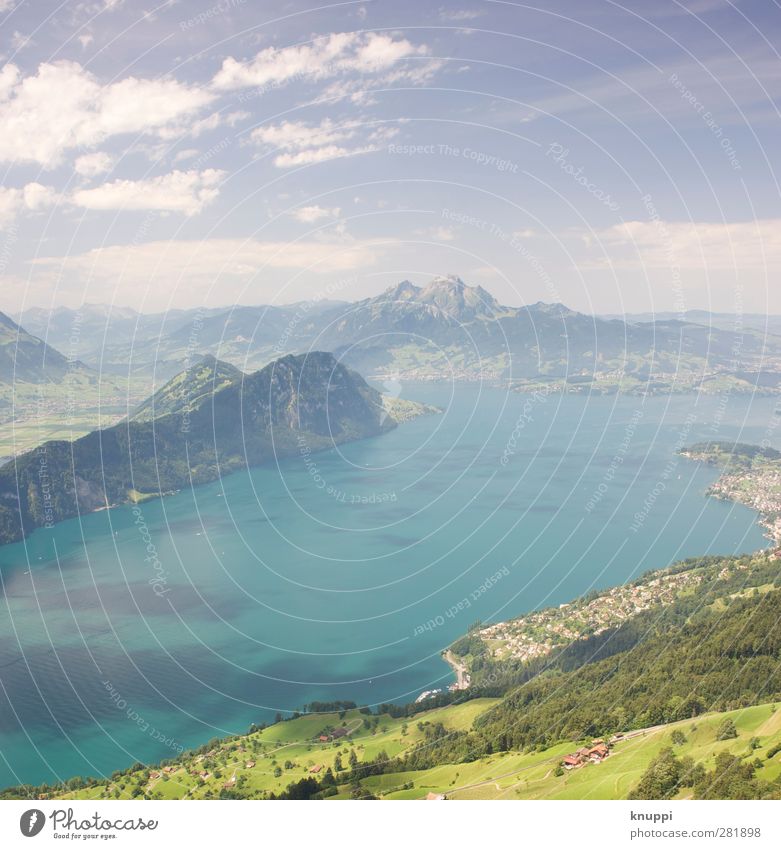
{"points": [[154, 274], [184, 155], [187, 192], [313, 155], [37, 197], [93, 164], [441, 234], [706, 246], [459, 14], [85, 40], [360, 90], [304, 144], [329, 56], [296, 134], [310, 214], [63, 106], [32, 198]]}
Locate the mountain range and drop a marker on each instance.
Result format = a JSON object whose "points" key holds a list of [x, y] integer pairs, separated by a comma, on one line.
{"points": [[446, 329], [720, 320]]}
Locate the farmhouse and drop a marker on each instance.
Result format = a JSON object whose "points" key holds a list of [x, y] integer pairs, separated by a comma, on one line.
{"points": [[594, 754], [599, 752]]}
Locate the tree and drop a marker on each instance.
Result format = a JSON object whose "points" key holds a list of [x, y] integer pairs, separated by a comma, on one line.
{"points": [[303, 789], [338, 763], [665, 775], [727, 730], [731, 778], [678, 738]]}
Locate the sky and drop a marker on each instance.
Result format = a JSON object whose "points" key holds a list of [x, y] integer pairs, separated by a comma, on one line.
{"points": [[613, 156]]}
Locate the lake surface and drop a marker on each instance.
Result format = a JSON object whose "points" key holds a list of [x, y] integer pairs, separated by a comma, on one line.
{"points": [[126, 635]]}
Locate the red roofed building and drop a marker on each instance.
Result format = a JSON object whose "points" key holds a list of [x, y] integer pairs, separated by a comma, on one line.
{"points": [[599, 752]]}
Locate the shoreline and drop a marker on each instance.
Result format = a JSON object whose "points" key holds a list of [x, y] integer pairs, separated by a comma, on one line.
{"points": [[463, 679]]}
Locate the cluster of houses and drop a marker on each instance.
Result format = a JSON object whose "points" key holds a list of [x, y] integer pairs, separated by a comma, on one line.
{"points": [[758, 488], [593, 754], [336, 734], [156, 774], [538, 633]]}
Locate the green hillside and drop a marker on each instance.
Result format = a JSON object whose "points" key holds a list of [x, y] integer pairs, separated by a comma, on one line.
{"points": [[189, 389], [684, 693], [266, 762]]}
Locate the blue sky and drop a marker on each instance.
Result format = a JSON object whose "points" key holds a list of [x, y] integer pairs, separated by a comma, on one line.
{"points": [[613, 156]]}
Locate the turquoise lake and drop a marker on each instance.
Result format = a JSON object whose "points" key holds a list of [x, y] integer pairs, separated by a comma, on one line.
{"points": [[314, 579]]}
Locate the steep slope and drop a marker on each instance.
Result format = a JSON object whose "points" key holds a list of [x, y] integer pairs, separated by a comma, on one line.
{"points": [[187, 390], [25, 358], [309, 400], [716, 647]]}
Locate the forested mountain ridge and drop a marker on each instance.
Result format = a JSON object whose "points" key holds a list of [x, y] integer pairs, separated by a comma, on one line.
{"points": [[248, 422], [187, 390]]}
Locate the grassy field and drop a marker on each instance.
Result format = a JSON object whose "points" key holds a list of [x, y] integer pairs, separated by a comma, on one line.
{"points": [[532, 776], [289, 748], [269, 760]]}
